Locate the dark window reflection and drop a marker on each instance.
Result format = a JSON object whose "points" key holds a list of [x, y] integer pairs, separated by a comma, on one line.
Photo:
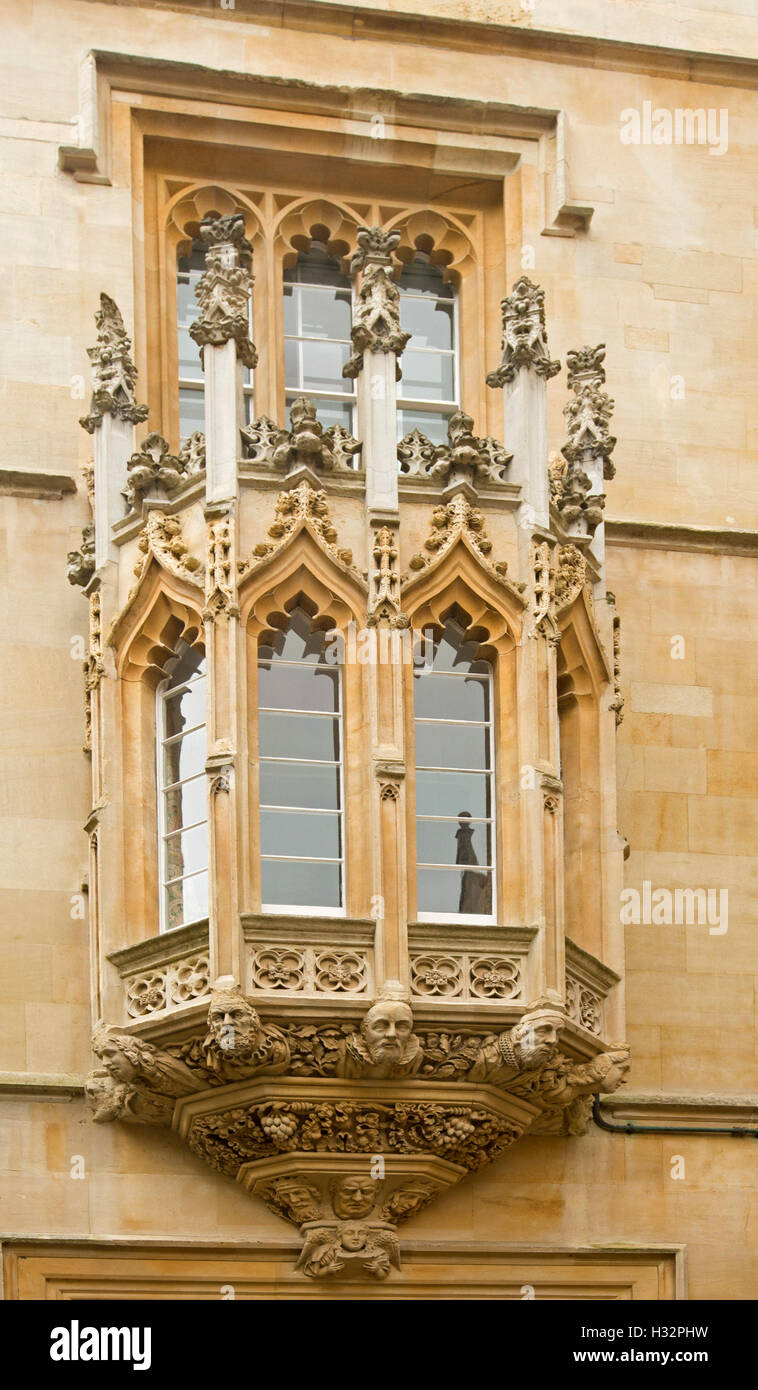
{"points": [[453, 736]]}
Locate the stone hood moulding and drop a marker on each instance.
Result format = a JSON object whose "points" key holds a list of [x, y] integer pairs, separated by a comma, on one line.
{"points": [[347, 1132]]}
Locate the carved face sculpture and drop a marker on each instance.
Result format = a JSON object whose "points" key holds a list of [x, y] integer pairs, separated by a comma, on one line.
{"points": [[105, 1099], [535, 1037], [115, 1060], [353, 1196], [614, 1074], [300, 1199], [233, 1025], [408, 1199], [386, 1030]]}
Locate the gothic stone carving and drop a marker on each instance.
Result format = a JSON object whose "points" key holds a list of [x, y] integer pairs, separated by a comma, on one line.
{"points": [[161, 537], [451, 522], [589, 413], [384, 580], [237, 1043], [298, 507], [308, 445], [223, 290], [543, 615], [464, 459], [152, 469], [114, 375], [220, 598], [135, 1081], [80, 564], [570, 576], [524, 335], [376, 316], [192, 454]]}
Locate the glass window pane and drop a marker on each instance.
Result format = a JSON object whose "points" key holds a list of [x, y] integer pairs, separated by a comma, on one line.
{"points": [[191, 411], [187, 900], [310, 834], [325, 313], [432, 423], [299, 784], [292, 363], [428, 321], [441, 842], [184, 758], [186, 852], [300, 884], [427, 376], [451, 697], [464, 891], [189, 357], [291, 325], [452, 745], [185, 805], [185, 709], [322, 366], [312, 736], [298, 687], [453, 794], [452, 654]]}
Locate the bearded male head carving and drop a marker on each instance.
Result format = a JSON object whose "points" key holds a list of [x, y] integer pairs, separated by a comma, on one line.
{"points": [[234, 1028], [387, 1029], [534, 1038]]}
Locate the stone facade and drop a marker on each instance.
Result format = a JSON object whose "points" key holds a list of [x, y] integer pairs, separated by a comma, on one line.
{"points": [[616, 612]]}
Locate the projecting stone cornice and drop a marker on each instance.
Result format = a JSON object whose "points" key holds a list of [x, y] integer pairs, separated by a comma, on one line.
{"points": [[657, 535], [33, 482]]}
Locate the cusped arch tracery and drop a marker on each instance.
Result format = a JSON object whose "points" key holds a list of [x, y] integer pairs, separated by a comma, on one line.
{"points": [[146, 635], [301, 576], [439, 235], [318, 219], [186, 210]]}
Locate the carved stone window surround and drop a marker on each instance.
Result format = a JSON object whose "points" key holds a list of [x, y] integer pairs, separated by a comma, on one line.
{"points": [[592, 981]]}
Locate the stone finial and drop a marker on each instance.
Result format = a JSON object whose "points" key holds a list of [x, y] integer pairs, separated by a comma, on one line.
{"points": [[376, 316], [416, 454], [524, 335], [589, 445], [223, 290], [152, 467], [80, 564], [466, 458], [588, 414], [114, 375], [308, 445], [192, 453]]}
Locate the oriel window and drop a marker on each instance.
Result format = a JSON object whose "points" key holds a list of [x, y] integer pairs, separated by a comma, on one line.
{"points": [[300, 766], [455, 802]]}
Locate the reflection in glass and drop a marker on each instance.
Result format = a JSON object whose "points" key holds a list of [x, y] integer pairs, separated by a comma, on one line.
{"points": [[428, 393], [453, 738], [182, 790], [300, 770]]}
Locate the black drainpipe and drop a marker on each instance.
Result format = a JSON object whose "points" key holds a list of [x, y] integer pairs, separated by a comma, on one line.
{"points": [[629, 1127]]}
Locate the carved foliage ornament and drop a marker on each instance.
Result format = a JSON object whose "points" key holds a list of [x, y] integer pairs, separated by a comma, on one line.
{"points": [[223, 290], [454, 521], [465, 457], [299, 507], [161, 537], [80, 564], [220, 597], [376, 316], [153, 469], [524, 335], [114, 375]]}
